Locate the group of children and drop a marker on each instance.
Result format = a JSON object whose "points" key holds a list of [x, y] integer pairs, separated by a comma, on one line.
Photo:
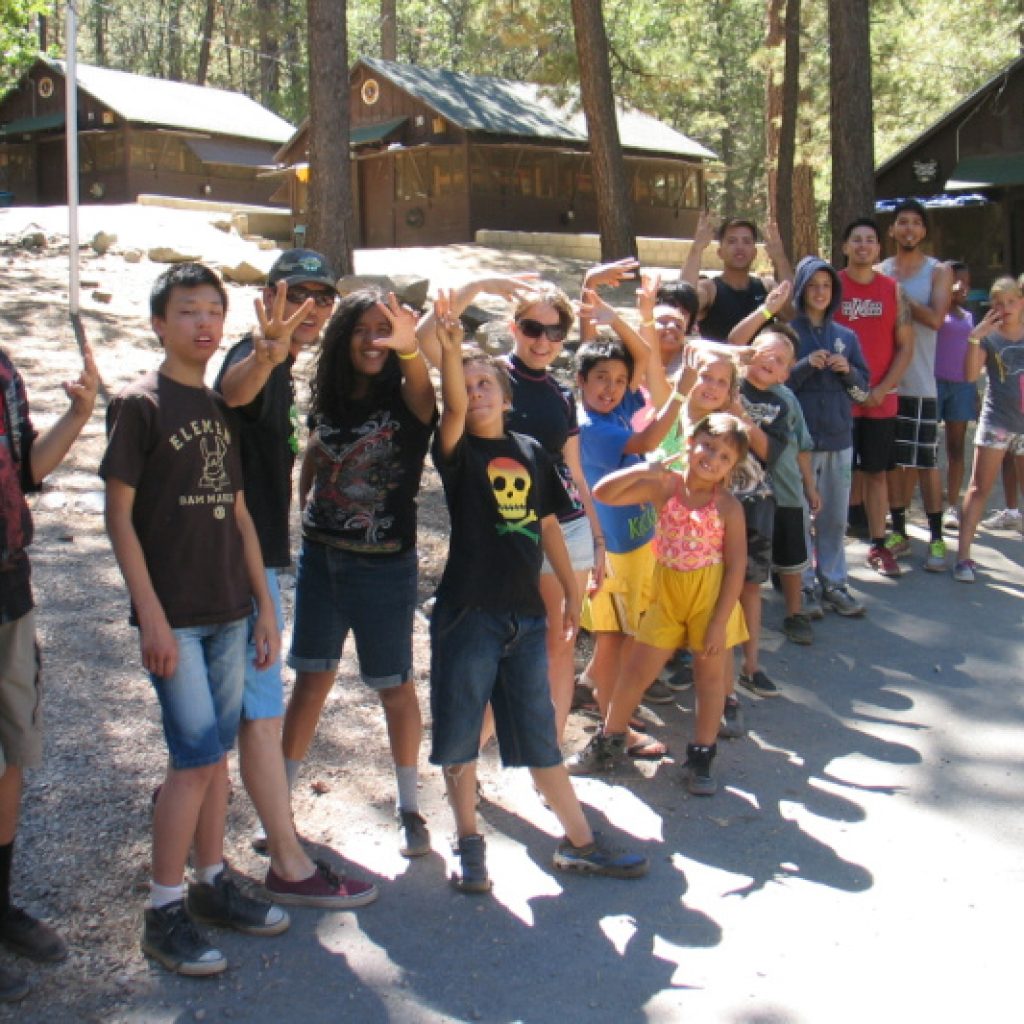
{"points": [[658, 506]]}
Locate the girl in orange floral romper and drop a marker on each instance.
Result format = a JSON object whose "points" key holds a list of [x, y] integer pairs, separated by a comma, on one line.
{"points": [[700, 548]]}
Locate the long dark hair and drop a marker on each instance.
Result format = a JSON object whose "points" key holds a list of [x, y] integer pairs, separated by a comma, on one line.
{"points": [[333, 387]]}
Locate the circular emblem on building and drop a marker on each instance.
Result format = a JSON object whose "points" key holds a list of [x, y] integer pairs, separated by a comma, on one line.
{"points": [[370, 92], [45, 88]]}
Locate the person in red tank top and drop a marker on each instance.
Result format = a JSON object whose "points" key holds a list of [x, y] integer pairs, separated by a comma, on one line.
{"points": [[874, 309]]}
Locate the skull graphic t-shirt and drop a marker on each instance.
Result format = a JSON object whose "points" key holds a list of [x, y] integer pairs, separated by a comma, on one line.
{"points": [[176, 446], [498, 490]]}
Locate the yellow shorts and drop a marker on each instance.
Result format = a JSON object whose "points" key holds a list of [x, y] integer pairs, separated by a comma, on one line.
{"points": [[625, 594], [682, 606]]}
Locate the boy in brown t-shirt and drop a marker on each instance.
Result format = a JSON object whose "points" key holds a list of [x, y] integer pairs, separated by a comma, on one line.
{"points": [[191, 559]]}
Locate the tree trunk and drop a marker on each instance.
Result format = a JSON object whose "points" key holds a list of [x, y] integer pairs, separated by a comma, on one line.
{"points": [[388, 30], [805, 217], [175, 51], [783, 101], [203, 68], [614, 203], [270, 80], [329, 228], [853, 154]]}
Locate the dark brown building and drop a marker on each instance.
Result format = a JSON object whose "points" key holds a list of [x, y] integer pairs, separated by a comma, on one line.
{"points": [[135, 135], [439, 155], [969, 166]]}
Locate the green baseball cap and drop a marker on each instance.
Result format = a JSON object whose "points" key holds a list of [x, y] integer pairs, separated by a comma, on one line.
{"points": [[302, 266]]}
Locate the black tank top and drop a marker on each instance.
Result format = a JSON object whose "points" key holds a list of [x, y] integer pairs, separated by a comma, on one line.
{"points": [[730, 307]]}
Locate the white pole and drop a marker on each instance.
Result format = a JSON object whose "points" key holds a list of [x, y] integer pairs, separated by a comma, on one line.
{"points": [[71, 135]]}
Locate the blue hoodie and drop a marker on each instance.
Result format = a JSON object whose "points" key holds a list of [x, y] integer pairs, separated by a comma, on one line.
{"points": [[825, 396]]}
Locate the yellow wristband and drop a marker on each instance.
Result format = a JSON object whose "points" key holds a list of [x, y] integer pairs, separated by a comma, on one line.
{"points": [[767, 313], [409, 355], [676, 397], [972, 340], [647, 323]]}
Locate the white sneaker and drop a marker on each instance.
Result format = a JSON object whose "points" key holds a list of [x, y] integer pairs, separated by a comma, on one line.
{"points": [[1004, 519], [951, 520]]}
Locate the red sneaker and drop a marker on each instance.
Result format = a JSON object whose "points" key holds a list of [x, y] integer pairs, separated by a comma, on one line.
{"points": [[325, 888], [883, 561]]}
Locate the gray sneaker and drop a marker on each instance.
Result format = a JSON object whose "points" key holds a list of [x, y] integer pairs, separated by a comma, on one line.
{"points": [[223, 904], [841, 601], [811, 603], [601, 756], [797, 629], [415, 834], [659, 692], [732, 726], [472, 876]]}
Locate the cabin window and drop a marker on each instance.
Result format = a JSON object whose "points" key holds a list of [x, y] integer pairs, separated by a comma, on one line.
{"points": [[412, 176], [17, 168]]}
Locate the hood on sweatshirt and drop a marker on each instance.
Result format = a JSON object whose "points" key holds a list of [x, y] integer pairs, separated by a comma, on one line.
{"points": [[805, 270]]}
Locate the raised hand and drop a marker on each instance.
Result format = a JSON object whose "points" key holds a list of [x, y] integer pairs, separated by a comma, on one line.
{"points": [[707, 228], [274, 338], [82, 392], [647, 294], [402, 339], [612, 274], [594, 308], [447, 325], [778, 297]]}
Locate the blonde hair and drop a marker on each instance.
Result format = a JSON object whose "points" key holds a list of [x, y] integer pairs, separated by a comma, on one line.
{"points": [[546, 294], [1007, 286]]}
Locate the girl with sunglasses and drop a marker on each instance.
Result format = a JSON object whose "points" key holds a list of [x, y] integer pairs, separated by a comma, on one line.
{"points": [[545, 409]]}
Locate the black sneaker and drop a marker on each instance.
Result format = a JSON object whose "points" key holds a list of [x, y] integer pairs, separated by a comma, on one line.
{"points": [[13, 985], [659, 692], [171, 937], [797, 628], [697, 769], [759, 683], [732, 726], [225, 905], [31, 937], [415, 834], [472, 876], [601, 756]]}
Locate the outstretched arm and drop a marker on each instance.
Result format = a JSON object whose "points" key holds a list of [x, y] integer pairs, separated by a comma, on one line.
{"points": [[454, 400], [635, 485], [417, 389], [49, 449], [775, 302], [601, 276], [594, 310]]}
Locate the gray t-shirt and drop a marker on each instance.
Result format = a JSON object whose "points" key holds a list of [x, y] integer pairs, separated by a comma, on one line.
{"points": [[919, 380], [1003, 407]]}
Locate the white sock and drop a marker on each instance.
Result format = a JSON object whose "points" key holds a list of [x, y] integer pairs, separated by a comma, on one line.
{"points": [[207, 876], [164, 895], [291, 769], [408, 794]]}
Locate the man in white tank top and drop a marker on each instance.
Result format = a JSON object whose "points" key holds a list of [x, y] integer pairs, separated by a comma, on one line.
{"points": [[927, 285]]}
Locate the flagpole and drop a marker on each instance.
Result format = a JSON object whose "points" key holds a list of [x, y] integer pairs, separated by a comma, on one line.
{"points": [[71, 135]]}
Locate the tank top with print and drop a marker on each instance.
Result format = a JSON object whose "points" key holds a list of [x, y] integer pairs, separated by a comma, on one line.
{"points": [[689, 538]]}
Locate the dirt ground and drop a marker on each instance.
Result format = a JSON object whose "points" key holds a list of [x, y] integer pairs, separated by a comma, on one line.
{"points": [[83, 849]]}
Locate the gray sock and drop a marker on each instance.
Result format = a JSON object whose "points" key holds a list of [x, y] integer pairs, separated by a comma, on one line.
{"points": [[408, 793], [291, 769]]}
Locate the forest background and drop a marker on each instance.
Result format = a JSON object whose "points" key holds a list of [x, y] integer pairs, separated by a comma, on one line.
{"points": [[706, 67]]}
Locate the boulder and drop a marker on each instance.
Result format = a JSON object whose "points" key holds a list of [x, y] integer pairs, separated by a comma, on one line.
{"points": [[243, 272], [132, 255], [100, 296], [410, 289], [102, 241], [170, 254], [33, 238]]}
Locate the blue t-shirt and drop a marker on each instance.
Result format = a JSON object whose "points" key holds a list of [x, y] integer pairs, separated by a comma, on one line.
{"points": [[603, 440]]}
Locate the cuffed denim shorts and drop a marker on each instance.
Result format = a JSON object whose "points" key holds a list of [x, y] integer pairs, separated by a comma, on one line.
{"points": [[579, 541], [372, 596], [202, 701], [497, 657], [263, 696]]}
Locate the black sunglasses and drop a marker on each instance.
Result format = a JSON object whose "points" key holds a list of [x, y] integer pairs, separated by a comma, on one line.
{"points": [[534, 329], [297, 296]]}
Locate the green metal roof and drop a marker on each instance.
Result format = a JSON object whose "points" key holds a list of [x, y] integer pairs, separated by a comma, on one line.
{"points": [[28, 125], [498, 106], [374, 132], [199, 108], [982, 171]]}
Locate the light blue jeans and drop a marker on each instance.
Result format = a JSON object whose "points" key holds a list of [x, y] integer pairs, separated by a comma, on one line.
{"points": [[826, 543]]}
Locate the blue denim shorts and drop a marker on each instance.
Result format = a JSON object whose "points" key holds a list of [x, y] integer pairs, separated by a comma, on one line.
{"points": [[958, 401], [372, 596], [202, 701], [579, 540], [263, 696], [479, 657]]}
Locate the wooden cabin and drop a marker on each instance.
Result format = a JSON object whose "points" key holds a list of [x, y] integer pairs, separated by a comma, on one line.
{"points": [[968, 168], [439, 155], [135, 135]]}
